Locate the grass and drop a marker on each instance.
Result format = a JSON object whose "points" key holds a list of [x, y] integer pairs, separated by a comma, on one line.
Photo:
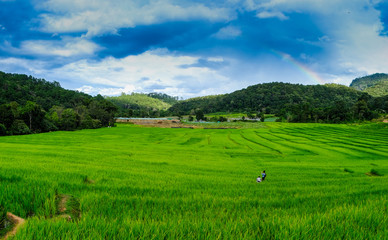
{"points": [[268, 117], [133, 182], [374, 172]]}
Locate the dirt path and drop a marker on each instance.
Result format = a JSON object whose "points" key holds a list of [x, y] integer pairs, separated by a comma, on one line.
{"points": [[62, 207], [62, 203], [17, 221]]}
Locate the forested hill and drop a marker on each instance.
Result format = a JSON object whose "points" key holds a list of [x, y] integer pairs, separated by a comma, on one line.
{"points": [[164, 97], [31, 105], [142, 105], [330, 103], [375, 84], [271, 97], [22, 88]]}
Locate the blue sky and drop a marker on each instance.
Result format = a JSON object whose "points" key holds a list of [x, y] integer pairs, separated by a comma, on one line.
{"points": [[192, 48]]}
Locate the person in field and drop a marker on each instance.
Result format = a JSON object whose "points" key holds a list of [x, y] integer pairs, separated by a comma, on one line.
{"points": [[258, 179], [263, 175]]}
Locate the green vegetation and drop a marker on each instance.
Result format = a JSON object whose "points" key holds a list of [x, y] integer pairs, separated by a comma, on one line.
{"points": [[240, 116], [270, 98], [164, 97], [142, 105], [363, 83], [21, 88], [226, 115], [30, 105], [331, 103], [374, 172], [133, 182], [379, 89]]}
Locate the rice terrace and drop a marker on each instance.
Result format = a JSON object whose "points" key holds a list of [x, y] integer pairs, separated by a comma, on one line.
{"points": [[324, 181]]}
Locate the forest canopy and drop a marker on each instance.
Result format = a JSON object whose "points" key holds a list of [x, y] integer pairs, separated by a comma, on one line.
{"points": [[31, 105], [331, 103]]}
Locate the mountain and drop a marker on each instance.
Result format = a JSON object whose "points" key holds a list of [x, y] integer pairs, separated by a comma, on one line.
{"points": [[375, 84], [270, 97], [380, 89]]}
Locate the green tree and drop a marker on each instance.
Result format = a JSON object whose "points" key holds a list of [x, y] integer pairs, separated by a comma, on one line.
{"points": [[103, 110], [70, 120], [6, 115], [199, 115], [361, 110], [33, 115], [262, 116]]}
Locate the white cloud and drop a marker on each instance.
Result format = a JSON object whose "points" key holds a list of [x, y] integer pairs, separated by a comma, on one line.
{"points": [[266, 14], [67, 47], [100, 16], [362, 53], [157, 70], [228, 32], [108, 91], [317, 6], [17, 65], [153, 71]]}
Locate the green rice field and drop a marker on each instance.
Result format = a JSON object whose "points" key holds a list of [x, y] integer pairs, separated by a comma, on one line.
{"points": [[132, 182]]}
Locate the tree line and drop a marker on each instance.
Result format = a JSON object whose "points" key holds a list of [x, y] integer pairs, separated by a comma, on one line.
{"points": [[30, 105], [330, 103]]}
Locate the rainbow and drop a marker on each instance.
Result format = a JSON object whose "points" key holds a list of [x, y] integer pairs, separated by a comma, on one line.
{"points": [[300, 67]]}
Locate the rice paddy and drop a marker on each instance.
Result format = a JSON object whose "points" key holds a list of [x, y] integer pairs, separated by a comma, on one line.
{"points": [[131, 182]]}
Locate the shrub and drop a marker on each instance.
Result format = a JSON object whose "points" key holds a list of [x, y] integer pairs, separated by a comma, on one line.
{"points": [[213, 119], [223, 119]]}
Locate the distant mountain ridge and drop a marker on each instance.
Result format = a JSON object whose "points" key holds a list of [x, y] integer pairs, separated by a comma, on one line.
{"points": [[376, 84]]}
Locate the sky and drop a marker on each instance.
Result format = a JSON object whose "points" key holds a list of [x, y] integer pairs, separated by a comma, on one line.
{"points": [[191, 48]]}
